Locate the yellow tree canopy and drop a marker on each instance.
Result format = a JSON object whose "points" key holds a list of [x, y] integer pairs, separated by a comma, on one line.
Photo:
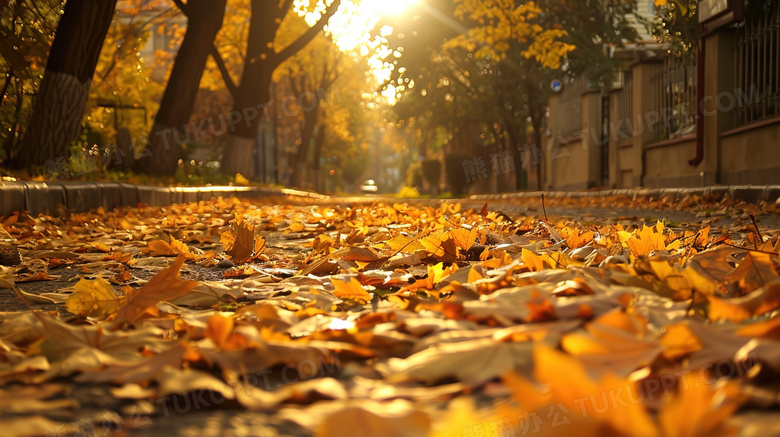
{"points": [[499, 23]]}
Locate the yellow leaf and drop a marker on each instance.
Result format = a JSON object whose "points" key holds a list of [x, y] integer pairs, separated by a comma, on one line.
{"points": [[241, 180], [698, 409], [646, 241], [93, 299]]}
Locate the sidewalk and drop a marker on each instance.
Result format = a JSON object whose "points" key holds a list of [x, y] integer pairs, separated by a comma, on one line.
{"points": [[747, 193], [48, 197]]}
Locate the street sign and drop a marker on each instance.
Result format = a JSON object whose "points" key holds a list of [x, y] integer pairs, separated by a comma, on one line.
{"points": [[556, 86]]}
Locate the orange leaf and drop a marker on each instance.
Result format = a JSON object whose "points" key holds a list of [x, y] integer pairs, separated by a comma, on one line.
{"points": [[350, 290]]}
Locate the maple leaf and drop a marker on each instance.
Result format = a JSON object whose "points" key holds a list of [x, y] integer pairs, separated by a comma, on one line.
{"points": [[463, 238], [763, 300], [166, 285], [351, 290], [648, 240], [471, 362], [570, 383], [613, 342], [77, 348], [243, 241], [93, 299], [755, 271], [699, 409]]}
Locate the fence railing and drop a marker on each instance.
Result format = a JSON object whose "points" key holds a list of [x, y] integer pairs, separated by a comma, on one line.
{"points": [[757, 63], [675, 96], [624, 101]]}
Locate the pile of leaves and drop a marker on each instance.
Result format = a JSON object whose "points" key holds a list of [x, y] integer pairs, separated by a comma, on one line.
{"points": [[391, 319]]}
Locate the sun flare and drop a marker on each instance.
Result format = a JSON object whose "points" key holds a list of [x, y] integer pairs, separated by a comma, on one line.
{"points": [[354, 30]]}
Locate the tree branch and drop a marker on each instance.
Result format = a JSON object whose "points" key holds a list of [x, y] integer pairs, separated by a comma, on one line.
{"points": [[229, 82], [307, 36]]}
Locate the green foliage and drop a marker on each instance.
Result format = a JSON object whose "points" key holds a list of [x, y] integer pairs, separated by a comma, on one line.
{"points": [[676, 24]]}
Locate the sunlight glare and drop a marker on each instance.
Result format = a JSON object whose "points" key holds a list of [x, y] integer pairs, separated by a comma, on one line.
{"points": [[352, 27]]}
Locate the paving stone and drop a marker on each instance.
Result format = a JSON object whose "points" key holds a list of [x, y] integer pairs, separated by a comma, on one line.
{"points": [[772, 193], [747, 193], [129, 194], [81, 196], [185, 194], [111, 193], [11, 197], [716, 192], [43, 198], [154, 196]]}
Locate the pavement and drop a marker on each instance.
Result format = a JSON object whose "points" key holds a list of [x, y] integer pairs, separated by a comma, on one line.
{"points": [[59, 198]]}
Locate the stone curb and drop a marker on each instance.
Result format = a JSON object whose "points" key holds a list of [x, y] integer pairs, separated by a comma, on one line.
{"points": [[747, 193], [50, 197]]}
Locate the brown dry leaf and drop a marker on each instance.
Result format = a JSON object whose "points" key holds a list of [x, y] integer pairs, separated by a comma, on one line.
{"points": [[351, 290], [769, 329], [699, 409], [71, 348], [405, 244], [614, 342], [570, 385], [143, 371], [37, 276], [35, 399], [376, 420], [166, 285], [679, 341], [754, 272], [763, 300], [575, 238], [175, 381], [471, 362], [257, 399], [35, 426], [243, 242], [464, 239]]}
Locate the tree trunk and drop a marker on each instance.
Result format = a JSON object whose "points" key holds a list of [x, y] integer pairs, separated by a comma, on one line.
{"points": [[310, 119], [59, 106], [254, 89], [170, 130], [319, 141]]}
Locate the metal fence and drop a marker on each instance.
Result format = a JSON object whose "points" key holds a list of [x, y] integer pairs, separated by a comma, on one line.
{"points": [[624, 102], [675, 98], [757, 63]]}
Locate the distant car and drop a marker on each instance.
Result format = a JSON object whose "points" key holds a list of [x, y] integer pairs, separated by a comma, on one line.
{"points": [[368, 187]]}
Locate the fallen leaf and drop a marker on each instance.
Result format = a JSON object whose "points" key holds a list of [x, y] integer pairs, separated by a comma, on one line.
{"points": [[93, 299], [166, 285]]}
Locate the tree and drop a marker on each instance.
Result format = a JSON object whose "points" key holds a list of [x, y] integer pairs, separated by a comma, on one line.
{"points": [[491, 63], [164, 143], [262, 57], [27, 31], [59, 106]]}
